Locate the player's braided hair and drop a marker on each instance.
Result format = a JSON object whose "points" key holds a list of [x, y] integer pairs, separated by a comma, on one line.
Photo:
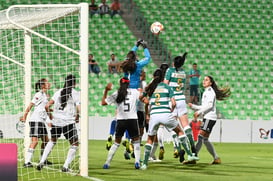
{"points": [[122, 91], [179, 61], [221, 93], [158, 77], [39, 83], [66, 92]]}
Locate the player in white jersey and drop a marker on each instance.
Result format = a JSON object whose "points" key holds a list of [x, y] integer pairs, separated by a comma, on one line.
{"points": [[126, 101], [65, 114], [160, 95], [207, 110], [37, 120], [176, 78]]}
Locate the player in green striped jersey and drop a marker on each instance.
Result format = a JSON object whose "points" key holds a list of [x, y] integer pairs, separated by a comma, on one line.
{"points": [[176, 78], [160, 95]]}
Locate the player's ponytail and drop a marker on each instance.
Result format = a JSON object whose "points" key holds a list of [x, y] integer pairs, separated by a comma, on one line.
{"points": [[122, 91], [179, 61], [129, 65], [221, 93], [158, 77], [164, 67], [70, 82], [39, 84]]}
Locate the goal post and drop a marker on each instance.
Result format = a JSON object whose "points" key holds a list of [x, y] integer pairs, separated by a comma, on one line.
{"points": [[42, 41]]}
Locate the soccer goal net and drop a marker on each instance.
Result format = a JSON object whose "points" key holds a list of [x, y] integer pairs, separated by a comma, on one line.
{"points": [[42, 41]]}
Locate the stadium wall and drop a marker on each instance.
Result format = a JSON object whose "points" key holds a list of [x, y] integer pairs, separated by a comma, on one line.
{"points": [[233, 131]]}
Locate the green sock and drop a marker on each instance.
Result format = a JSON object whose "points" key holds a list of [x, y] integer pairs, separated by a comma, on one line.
{"points": [[184, 141], [176, 144], [188, 132], [147, 153]]}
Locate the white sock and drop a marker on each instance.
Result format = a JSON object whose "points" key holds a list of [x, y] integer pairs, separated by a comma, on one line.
{"points": [[137, 150], [47, 150], [154, 148], [160, 136], [111, 153], [70, 155], [29, 155], [175, 140]]}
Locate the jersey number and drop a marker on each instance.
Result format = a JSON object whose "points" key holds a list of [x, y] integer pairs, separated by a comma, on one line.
{"points": [[180, 85], [126, 105], [157, 97]]}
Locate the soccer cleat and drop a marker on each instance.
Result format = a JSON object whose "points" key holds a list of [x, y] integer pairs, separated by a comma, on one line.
{"points": [[127, 145], [131, 148], [106, 166], [181, 156], [39, 166], [153, 159], [143, 167], [48, 162], [28, 165], [137, 166], [133, 155], [216, 161], [175, 154], [109, 142], [192, 158], [161, 153], [126, 155], [65, 169], [193, 162]]}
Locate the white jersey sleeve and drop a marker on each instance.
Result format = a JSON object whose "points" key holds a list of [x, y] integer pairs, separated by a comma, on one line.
{"points": [[110, 100], [208, 105], [39, 100]]}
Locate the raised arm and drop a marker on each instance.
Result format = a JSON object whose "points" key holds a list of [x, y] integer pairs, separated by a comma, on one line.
{"points": [[106, 90]]}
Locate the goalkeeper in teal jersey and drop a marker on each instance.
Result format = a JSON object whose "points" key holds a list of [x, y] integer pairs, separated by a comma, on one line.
{"points": [[132, 68], [176, 78], [160, 95]]}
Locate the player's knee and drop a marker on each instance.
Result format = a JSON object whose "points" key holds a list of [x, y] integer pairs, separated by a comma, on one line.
{"points": [[74, 147], [206, 139], [136, 141], [200, 137]]}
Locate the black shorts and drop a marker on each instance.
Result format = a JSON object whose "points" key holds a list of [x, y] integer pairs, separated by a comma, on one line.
{"points": [[131, 125], [141, 119], [69, 132], [207, 125], [37, 129]]}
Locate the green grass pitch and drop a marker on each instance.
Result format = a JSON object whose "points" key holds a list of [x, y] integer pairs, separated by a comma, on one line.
{"points": [[240, 161]]}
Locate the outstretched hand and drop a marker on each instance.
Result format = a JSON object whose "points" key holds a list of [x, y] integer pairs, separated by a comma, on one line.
{"points": [[144, 44], [139, 42], [109, 86]]}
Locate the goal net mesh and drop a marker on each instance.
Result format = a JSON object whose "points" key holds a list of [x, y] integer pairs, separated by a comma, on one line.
{"points": [[55, 37]]}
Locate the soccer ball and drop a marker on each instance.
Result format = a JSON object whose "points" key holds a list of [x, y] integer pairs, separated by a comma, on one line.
{"points": [[156, 28]]}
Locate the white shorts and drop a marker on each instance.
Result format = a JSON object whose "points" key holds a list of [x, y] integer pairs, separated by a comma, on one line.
{"points": [[180, 109], [166, 119]]}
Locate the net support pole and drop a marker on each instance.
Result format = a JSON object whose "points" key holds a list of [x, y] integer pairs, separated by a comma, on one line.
{"points": [[84, 89], [27, 80]]}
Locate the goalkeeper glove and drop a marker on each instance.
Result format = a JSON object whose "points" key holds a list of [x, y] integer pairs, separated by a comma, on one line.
{"points": [[144, 44], [139, 42]]}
